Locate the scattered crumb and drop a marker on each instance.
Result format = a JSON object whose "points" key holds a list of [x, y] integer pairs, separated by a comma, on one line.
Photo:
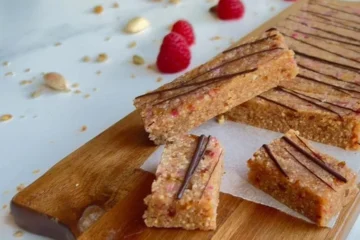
{"points": [[152, 67], [220, 119], [215, 38], [20, 187], [102, 57], [132, 44], [25, 82], [77, 91], [27, 70], [174, 1], [36, 171], [86, 95], [98, 72], [22, 116], [36, 93], [159, 79], [83, 128], [133, 76], [6, 63], [98, 9], [76, 185], [107, 39], [57, 44], [115, 5], [75, 85], [272, 9], [6, 117], [95, 89], [9, 74], [136, 25], [55, 81], [4, 206], [18, 233], [86, 59], [138, 60]]}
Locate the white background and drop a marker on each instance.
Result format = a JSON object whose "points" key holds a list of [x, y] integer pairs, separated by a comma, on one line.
{"points": [[50, 128]]}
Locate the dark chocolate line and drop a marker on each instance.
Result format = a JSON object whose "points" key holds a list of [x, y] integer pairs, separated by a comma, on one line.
{"points": [[277, 103], [211, 174], [273, 158], [339, 65], [250, 43], [328, 16], [322, 49], [327, 75], [315, 160], [326, 31], [306, 100], [307, 146], [207, 83], [323, 101], [318, 177], [198, 154], [271, 29], [339, 10]]}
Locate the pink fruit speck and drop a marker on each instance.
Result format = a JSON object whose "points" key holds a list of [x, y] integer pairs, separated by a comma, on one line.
{"points": [[174, 112], [294, 35]]}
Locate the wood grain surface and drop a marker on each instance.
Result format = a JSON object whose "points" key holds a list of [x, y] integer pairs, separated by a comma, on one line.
{"points": [[104, 172]]}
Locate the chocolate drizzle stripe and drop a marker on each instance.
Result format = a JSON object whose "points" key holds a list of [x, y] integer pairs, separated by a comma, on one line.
{"points": [[271, 29], [322, 49], [339, 65], [250, 43], [328, 16], [322, 100], [277, 103], [207, 183], [208, 82], [197, 83], [198, 154], [311, 102], [308, 147], [273, 158], [336, 9], [326, 31], [329, 76], [318, 177], [315, 159]]}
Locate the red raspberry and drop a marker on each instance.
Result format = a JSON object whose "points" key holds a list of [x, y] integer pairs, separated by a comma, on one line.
{"points": [[185, 29], [174, 55], [230, 9]]}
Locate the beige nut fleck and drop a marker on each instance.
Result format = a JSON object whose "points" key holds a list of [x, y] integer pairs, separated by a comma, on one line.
{"points": [[55, 81], [98, 9], [220, 119], [6, 117], [103, 57], [136, 25], [138, 60]]}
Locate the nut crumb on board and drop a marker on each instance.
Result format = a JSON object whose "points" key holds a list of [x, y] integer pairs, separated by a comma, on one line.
{"points": [[83, 128], [36, 171], [86, 59], [98, 9], [77, 91], [98, 72], [87, 95], [136, 25], [25, 82], [95, 89], [132, 76], [220, 119], [27, 70], [20, 187], [75, 85], [9, 74], [215, 38], [6, 63], [18, 233], [115, 5], [57, 44], [174, 1], [36, 93], [6, 117], [102, 57], [138, 60], [4, 206], [107, 39], [55, 81], [132, 44], [159, 79]]}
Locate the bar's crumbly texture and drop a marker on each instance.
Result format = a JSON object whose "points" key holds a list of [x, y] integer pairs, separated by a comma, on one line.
{"points": [[233, 77], [291, 177], [196, 209], [323, 103]]}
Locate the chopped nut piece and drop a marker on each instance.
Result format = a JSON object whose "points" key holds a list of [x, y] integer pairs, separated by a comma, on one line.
{"points": [[75, 85], [98, 72], [36, 93], [115, 5], [159, 79], [25, 82], [220, 119], [107, 38], [215, 38], [6, 63], [86, 59], [83, 128], [152, 67], [4, 206], [86, 95], [36, 171], [133, 76], [132, 44], [174, 1], [18, 233], [77, 91], [95, 89], [136, 25], [102, 57], [20, 187], [57, 44], [98, 9], [6, 117], [55, 81], [138, 60], [27, 70], [9, 74]]}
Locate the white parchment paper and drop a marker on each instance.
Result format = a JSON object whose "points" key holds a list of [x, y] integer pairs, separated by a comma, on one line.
{"points": [[240, 141]]}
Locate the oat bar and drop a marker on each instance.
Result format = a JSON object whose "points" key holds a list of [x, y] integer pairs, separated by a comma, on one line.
{"points": [[311, 183], [233, 77], [185, 193]]}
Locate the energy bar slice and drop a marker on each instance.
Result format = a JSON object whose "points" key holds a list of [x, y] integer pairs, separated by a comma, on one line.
{"points": [[185, 193], [311, 183], [233, 77]]}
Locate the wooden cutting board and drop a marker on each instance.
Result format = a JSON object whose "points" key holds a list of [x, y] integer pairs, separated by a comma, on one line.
{"points": [[104, 172]]}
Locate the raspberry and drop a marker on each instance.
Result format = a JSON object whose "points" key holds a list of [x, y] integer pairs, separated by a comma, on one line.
{"points": [[174, 55], [185, 29], [230, 9]]}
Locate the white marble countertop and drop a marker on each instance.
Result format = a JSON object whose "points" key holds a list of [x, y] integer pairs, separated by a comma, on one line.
{"points": [[46, 129]]}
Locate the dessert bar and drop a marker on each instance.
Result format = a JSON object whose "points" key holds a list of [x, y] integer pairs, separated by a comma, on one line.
{"points": [[311, 183], [323, 103], [233, 77], [185, 193]]}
